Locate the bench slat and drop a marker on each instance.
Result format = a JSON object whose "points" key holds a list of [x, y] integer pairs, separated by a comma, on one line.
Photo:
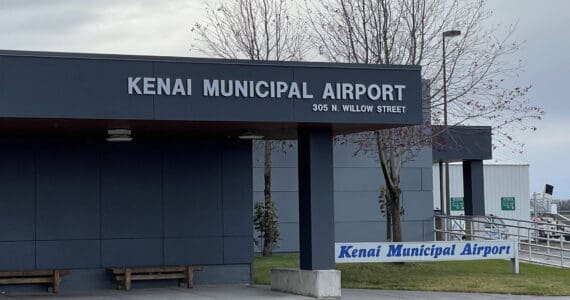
{"points": [[24, 280], [31, 273], [155, 269], [152, 276]]}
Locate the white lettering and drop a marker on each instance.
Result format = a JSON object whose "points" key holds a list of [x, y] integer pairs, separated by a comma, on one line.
{"points": [[294, 91], [374, 92], [163, 86], [281, 88], [211, 88], [189, 87], [399, 88], [226, 87], [306, 95], [387, 92], [178, 87], [241, 88], [258, 92], [134, 85], [148, 86], [360, 90], [328, 92]]}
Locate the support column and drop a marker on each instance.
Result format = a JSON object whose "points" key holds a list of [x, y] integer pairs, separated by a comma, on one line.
{"points": [[316, 204], [473, 188], [317, 277]]}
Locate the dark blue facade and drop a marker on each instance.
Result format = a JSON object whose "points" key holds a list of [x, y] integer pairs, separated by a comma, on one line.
{"points": [[81, 204]]}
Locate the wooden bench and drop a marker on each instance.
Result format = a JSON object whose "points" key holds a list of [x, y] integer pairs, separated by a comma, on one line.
{"points": [[184, 274], [51, 277]]}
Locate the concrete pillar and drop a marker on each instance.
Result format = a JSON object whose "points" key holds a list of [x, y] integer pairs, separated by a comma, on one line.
{"points": [[473, 188], [316, 204]]}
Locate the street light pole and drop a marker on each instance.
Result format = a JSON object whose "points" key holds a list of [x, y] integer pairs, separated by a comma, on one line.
{"points": [[449, 34]]}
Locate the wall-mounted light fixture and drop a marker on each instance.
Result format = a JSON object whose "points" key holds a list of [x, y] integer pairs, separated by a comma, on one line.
{"points": [[250, 135], [119, 135]]}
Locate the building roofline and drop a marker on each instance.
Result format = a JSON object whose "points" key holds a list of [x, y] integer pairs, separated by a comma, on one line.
{"points": [[196, 60]]}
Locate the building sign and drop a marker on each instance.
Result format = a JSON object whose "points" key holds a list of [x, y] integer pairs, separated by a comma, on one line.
{"points": [[457, 203], [507, 203], [427, 251], [323, 97], [210, 90]]}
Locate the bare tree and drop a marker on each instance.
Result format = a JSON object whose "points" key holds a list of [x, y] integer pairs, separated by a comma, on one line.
{"points": [[255, 30], [479, 64]]}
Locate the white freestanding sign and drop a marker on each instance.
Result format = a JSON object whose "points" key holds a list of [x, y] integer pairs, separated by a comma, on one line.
{"points": [[427, 251]]}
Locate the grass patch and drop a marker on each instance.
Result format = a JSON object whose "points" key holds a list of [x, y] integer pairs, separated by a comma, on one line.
{"points": [[482, 276]]}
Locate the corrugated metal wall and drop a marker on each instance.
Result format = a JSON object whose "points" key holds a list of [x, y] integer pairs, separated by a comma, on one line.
{"points": [[506, 180]]}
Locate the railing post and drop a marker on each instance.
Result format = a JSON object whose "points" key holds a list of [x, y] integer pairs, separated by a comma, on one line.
{"points": [[529, 247], [561, 251], [515, 260], [518, 231], [548, 242]]}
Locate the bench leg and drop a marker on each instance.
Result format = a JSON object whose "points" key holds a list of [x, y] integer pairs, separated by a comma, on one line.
{"points": [[56, 281], [189, 277], [127, 283]]}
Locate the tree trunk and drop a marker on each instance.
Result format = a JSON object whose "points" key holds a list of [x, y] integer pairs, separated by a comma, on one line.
{"points": [[396, 217], [391, 171], [388, 223], [267, 246]]}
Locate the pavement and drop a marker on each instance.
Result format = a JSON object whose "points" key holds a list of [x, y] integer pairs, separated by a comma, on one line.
{"points": [[236, 292]]}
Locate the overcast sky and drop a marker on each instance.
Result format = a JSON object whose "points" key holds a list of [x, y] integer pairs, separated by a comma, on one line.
{"points": [[163, 28]]}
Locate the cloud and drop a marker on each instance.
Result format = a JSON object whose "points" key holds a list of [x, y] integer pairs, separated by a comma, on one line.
{"points": [[125, 27]]}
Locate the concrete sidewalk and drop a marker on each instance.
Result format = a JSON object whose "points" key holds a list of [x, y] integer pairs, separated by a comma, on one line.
{"points": [[231, 292]]}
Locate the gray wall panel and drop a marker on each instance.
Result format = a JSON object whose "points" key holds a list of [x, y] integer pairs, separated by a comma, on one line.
{"points": [[411, 179], [17, 256], [207, 250], [131, 192], [131, 252], [288, 238], [419, 205], [346, 155], [286, 203], [358, 179], [283, 154], [427, 179], [421, 159], [192, 191], [238, 250], [418, 230], [237, 189], [357, 206], [16, 193], [67, 192], [282, 179], [360, 231], [70, 254]]}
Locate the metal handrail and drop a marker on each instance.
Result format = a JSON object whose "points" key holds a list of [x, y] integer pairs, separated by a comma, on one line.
{"points": [[539, 242]]}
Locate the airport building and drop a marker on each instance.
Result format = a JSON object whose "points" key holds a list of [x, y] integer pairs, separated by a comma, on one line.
{"points": [[115, 161]]}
